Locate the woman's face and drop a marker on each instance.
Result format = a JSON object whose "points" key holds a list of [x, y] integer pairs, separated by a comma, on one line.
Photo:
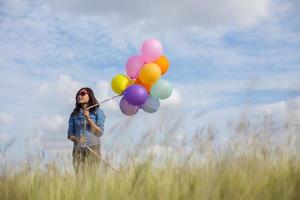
{"points": [[83, 97]]}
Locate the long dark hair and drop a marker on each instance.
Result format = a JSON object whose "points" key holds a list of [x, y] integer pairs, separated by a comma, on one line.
{"points": [[91, 102]]}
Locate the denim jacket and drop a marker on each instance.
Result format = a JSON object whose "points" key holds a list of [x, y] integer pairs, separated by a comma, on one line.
{"points": [[76, 126]]}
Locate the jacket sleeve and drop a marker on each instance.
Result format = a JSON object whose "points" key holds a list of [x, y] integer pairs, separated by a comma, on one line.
{"points": [[71, 128], [100, 119]]}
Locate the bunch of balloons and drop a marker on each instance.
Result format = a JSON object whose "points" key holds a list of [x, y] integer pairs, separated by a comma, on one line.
{"points": [[142, 86]]}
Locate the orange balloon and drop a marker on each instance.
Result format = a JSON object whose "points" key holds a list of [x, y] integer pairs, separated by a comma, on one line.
{"points": [[146, 86], [163, 63], [150, 73]]}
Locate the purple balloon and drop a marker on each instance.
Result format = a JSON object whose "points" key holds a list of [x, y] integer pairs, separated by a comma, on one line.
{"points": [[127, 108], [136, 95]]}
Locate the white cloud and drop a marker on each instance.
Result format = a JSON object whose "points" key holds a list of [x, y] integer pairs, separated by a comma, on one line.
{"points": [[5, 118], [285, 121], [103, 92], [172, 13], [34, 142], [4, 137], [15, 8], [207, 93], [54, 123], [287, 111], [174, 100], [62, 90], [43, 88], [67, 86], [288, 81]]}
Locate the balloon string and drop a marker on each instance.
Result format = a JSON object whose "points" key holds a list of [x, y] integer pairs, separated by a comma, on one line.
{"points": [[97, 104], [111, 98], [84, 128], [101, 159]]}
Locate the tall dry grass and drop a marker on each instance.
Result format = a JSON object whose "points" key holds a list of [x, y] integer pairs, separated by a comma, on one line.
{"points": [[253, 164]]}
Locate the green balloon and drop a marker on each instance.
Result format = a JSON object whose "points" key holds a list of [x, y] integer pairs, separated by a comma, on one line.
{"points": [[162, 89]]}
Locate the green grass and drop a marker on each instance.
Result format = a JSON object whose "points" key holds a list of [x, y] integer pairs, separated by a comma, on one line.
{"points": [[252, 165], [243, 177]]}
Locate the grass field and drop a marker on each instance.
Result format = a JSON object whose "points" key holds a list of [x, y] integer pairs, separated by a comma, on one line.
{"points": [[250, 168]]}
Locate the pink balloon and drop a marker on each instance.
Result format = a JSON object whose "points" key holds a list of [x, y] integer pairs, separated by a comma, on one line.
{"points": [[151, 49], [134, 65]]}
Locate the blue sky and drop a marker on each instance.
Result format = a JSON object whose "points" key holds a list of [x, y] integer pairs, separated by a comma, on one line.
{"points": [[224, 55]]}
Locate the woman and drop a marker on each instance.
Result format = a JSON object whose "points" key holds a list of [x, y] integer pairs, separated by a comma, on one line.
{"points": [[85, 128]]}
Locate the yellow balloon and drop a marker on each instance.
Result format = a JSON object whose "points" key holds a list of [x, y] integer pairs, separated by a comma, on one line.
{"points": [[150, 73], [119, 83]]}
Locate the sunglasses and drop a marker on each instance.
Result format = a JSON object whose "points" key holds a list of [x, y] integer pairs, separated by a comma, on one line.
{"points": [[82, 93]]}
